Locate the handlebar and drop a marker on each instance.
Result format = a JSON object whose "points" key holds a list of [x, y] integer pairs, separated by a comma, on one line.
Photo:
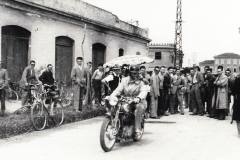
{"points": [[31, 84], [128, 100], [47, 85]]}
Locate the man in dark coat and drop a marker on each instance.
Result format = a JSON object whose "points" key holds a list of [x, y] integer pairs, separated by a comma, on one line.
{"points": [[167, 81], [236, 104], [231, 78], [47, 76], [204, 87], [209, 80], [195, 93], [88, 97], [161, 91], [3, 84]]}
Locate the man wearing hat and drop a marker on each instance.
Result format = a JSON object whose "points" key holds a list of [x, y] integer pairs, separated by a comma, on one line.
{"points": [[79, 80], [3, 84], [113, 79]]}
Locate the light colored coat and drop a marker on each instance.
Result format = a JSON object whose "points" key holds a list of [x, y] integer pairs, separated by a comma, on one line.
{"points": [[220, 97], [155, 84], [79, 79], [154, 92], [79, 76]]}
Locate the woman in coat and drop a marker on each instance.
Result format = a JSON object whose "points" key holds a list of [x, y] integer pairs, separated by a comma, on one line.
{"points": [[236, 104]]}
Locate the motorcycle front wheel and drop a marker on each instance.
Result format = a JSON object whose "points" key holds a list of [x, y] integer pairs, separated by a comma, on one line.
{"points": [[138, 137], [107, 135]]}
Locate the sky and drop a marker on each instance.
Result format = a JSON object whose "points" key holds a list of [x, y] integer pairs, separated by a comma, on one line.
{"points": [[210, 27]]}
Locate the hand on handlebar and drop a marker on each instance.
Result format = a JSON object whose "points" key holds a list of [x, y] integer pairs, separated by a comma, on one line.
{"points": [[136, 100]]}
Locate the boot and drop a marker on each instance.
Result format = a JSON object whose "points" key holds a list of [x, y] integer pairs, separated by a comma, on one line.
{"points": [[221, 115]]}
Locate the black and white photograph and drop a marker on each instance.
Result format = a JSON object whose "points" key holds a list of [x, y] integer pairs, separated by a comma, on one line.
{"points": [[120, 79]]}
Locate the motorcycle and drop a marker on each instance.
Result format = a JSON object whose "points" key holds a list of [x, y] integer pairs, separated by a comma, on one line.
{"points": [[119, 123]]}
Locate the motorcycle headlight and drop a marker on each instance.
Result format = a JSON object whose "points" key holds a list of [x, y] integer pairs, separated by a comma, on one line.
{"points": [[125, 107]]}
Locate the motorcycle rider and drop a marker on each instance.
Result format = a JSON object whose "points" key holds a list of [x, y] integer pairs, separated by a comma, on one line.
{"points": [[131, 86]]}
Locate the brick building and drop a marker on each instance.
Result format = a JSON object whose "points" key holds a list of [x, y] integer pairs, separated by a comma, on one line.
{"points": [[53, 31], [228, 60], [163, 55]]}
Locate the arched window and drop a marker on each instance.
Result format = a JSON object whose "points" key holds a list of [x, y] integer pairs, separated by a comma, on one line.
{"points": [[120, 52], [158, 55]]}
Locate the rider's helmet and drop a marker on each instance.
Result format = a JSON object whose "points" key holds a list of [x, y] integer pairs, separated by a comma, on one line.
{"points": [[134, 72]]}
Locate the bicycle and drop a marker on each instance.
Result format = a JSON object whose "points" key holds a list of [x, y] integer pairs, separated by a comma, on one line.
{"points": [[42, 111], [66, 94], [11, 93]]}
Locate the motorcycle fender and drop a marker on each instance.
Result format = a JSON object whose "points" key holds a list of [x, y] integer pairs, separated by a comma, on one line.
{"points": [[107, 115]]}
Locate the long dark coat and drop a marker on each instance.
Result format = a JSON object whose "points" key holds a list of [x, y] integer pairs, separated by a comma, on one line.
{"points": [[236, 94]]}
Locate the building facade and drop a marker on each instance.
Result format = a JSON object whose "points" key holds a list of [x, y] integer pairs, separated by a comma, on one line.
{"points": [[57, 31], [163, 55], [209, 63], [228, 60]]}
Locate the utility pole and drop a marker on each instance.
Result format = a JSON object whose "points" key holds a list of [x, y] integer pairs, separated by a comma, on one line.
{"points": [[178, 58]]}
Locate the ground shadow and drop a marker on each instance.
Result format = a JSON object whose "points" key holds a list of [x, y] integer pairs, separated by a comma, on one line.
{"points": [[131, 143], [163, 122], [147, 133]]}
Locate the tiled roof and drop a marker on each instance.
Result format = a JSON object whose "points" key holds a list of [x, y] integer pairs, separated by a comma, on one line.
{"points": [[87, 12], [228, 55], [207, 62]]}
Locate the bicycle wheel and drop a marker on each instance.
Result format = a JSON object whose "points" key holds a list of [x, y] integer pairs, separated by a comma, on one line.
{"points": [[38, 116], [67, 99], [57, 113], [11, 96]]}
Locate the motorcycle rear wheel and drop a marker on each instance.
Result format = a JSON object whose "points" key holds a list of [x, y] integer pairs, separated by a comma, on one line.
{"points": [[107, 139]]}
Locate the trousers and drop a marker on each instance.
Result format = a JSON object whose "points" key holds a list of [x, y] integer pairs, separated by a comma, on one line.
{"points": [[2, 97], [140, 109], [196, 100], [154, 106], [78, 93]]}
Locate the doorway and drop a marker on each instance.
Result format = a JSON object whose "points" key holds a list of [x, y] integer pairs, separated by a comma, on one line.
{"points": [[98, 55], [63, 59], [15, 46]]}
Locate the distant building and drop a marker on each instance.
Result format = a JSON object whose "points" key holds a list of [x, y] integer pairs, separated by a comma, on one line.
{"points": [[58, 31], [163, 55], [209, 63], [228, 60]]}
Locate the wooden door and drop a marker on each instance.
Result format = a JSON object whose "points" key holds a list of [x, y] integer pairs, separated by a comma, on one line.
{"points": [[63, 59]]}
